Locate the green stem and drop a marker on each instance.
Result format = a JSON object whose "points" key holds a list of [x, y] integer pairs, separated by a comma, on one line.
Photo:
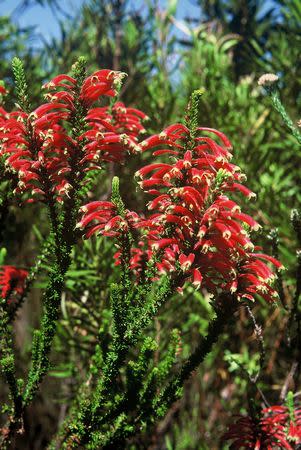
{"points": [[90, 412], [7, 366], [216, 327], [41, 352], [172, 392], [276, 102]]}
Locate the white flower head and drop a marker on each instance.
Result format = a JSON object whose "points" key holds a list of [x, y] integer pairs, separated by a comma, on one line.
{"points": [[267, 79]]}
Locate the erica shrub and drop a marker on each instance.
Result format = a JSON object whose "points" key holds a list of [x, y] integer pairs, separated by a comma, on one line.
{"points": [[192, 232]]}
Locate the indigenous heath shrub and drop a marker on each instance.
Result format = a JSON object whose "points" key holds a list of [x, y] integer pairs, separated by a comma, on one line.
{"points": [[194, 232]]}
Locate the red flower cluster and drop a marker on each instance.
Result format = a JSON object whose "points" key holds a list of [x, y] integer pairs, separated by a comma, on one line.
{"points": [[12, 280], [101, 217], [276, 429], [128, 120], [125, 126], [196, 225], [42, 146], [196, 228]]}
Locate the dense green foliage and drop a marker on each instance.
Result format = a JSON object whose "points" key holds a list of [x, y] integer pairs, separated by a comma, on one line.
{"points": [[223, 52]]}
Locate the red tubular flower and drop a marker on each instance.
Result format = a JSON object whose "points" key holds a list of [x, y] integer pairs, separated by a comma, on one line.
{"points": [[246, 433], [139, 258], [102, 217], [12, 280], [3, 119], [102, 82], [125, 125], [275, 429], [207, 230], [128, 120], [278, 420]]}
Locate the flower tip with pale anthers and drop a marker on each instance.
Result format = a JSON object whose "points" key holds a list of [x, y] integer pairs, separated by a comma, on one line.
{"points": [[136, 148], [242, 177], [32, 116], [236, 209], [249, 246], [222, 160], [118, 76], [79, 226], [186, 261], [267, 79], [124, 139], [251, 195], [227, 235], [256, 227]]}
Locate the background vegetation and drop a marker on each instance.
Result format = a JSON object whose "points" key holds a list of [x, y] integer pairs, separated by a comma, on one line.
{"points": [[224, 50]]}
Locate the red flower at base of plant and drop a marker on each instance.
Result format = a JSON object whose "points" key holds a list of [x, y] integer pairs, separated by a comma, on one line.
{"points": [[277, 428], [12, 280]]}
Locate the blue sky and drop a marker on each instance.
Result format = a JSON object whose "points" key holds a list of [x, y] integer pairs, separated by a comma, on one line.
{"points": [[41, 17], [45, 21]]}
